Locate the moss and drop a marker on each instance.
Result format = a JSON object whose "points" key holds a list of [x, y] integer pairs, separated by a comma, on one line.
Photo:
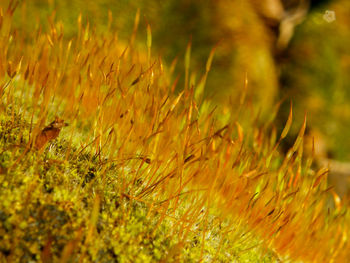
{"points": [[143, 174], [47, 200]]}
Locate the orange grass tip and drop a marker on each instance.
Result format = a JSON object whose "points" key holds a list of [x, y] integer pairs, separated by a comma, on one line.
{"points": [[49, 133]]}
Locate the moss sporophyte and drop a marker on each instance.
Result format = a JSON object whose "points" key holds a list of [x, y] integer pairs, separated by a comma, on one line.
{"points": [[144, 173]]}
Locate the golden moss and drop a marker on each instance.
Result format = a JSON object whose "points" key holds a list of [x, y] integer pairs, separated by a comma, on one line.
{"points": [[141, 171]]}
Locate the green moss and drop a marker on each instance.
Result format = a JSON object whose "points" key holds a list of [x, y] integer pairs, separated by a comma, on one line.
{"points": [[47, 199]]}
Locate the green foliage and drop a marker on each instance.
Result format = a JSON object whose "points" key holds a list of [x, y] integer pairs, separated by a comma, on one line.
{"points": [[47, 204]]}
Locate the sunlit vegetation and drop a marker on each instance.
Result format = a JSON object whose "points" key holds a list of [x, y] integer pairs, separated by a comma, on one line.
{"points": [[144, 172]]}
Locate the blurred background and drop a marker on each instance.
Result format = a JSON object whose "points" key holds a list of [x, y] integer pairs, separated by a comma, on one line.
{"points": [[296, 50]]}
